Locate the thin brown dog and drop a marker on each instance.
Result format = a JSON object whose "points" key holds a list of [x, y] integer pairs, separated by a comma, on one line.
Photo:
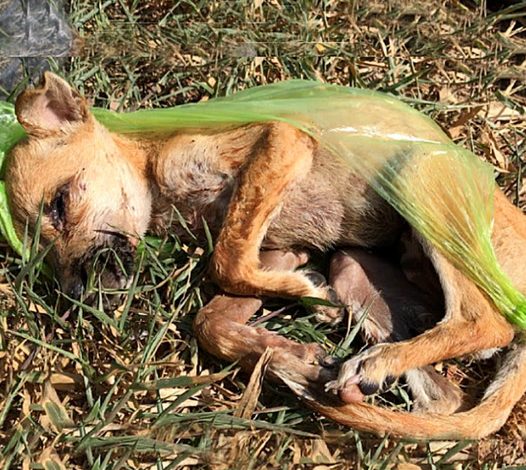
{"points": [[262, 186]]}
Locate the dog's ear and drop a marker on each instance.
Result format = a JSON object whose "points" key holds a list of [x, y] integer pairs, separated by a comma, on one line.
{"points": [[52, 108]]}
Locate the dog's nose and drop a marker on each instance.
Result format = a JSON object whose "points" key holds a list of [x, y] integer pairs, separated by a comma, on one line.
{"points": [[111, 263]]}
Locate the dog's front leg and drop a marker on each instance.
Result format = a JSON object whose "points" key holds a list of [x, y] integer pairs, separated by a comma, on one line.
{"points": [[283, 159], [221, 329]]}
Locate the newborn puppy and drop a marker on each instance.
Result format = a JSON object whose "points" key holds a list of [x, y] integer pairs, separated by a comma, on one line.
{"points": [[393, 309]]}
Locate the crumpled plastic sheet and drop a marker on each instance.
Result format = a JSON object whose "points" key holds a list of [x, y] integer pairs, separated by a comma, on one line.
{"points": [[31, 31]]}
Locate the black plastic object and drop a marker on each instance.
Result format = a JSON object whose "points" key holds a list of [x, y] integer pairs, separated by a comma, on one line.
{"points": [[31, 32]]}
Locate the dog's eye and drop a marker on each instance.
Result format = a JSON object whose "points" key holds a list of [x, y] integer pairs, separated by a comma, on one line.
{"points": [[57, 208]]}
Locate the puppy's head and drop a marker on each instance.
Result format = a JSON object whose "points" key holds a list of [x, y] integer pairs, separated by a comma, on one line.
{"points": [[90, 184]]}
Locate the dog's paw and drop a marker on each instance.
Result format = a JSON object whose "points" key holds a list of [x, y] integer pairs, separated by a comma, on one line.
{"points": [[365, 374], [434, 393], [331, 314], [306, 366]]}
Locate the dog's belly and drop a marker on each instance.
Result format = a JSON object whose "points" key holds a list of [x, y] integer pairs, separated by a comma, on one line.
{"points": [[332, 207]]}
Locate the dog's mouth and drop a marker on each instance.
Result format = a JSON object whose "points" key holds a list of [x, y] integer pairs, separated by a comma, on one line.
{"points": [[102, 273]]}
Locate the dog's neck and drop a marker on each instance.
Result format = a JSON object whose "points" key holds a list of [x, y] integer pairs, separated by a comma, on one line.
{"points": [[143, 154]]}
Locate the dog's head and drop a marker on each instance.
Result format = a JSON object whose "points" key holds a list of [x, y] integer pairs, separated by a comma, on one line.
{"points": [[89, 185]]}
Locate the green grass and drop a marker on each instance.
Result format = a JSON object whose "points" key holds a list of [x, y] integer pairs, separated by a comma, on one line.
{"points": [[131, 388]]}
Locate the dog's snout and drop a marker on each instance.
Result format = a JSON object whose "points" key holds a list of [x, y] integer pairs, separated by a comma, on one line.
{"points": [[108, 265], [113, 262], [121, 256]]}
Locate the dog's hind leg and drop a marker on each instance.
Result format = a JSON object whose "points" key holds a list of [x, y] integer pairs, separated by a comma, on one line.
{"points": [[480, 421], [393, 309], [471, 324]]}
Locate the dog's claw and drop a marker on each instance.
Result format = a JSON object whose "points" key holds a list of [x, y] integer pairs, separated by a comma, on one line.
{"points": [[325, 313], [362, 374], [368, 388], [349, 392], [332, 387], [329, 314], [389, 381], [316, 278], [329, 361]]}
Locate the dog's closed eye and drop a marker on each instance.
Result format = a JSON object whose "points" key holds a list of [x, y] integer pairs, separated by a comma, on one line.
{"points": [[56, 209]]}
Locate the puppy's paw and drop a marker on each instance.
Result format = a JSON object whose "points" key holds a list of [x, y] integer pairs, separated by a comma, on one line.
{"points": [[331, 314], [365, 374]]}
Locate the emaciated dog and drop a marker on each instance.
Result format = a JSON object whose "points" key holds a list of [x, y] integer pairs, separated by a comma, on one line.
{"points": [[268, 187]]}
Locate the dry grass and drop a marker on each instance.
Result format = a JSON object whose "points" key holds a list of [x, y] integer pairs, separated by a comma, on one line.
{"points": [[131, 389]]}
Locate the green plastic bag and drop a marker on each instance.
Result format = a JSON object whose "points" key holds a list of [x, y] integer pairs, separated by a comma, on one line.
{"points": [[10, 133], [444, 191]]}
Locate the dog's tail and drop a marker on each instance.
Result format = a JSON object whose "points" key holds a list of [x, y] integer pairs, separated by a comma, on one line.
{"points": [[485, 418]]}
